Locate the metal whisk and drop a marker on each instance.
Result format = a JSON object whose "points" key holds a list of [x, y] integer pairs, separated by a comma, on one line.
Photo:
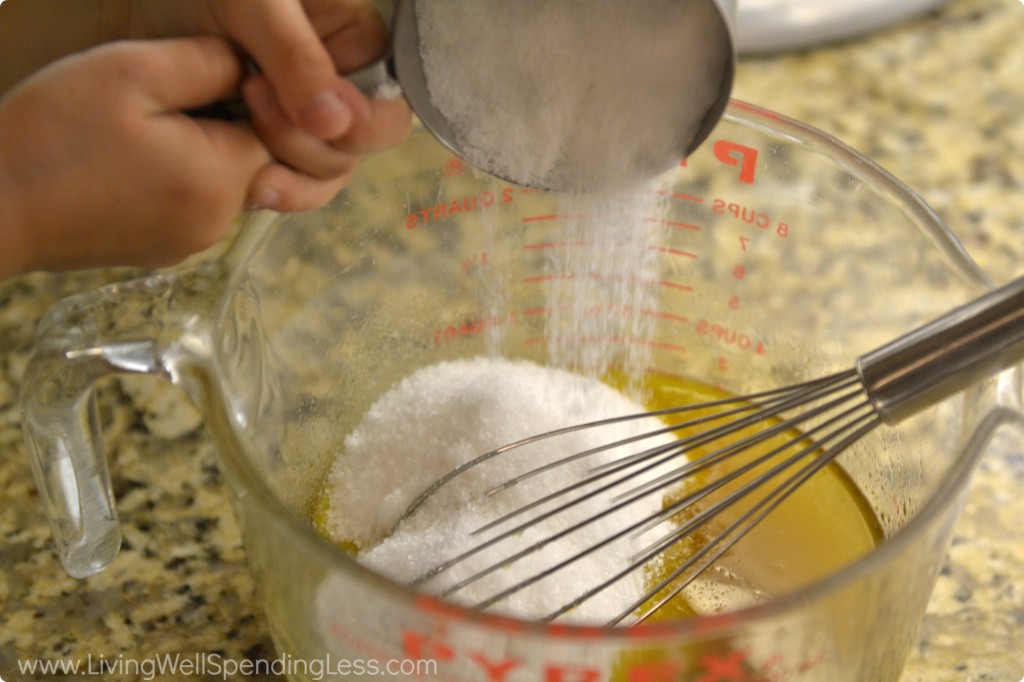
{"points": [[784, 436]]}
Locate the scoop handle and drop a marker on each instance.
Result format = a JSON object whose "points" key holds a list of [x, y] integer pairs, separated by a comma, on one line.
{"points": [[947, 355]]}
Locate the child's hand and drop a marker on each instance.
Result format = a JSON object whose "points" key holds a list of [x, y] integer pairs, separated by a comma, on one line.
{"points": [[311, 118], [99, 166]]}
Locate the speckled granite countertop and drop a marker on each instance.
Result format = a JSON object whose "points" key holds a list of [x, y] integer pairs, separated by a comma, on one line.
{"points": [[938, 101]]}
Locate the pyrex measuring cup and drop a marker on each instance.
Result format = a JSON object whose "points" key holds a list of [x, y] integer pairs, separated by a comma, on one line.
{"points": [[775, 255]]}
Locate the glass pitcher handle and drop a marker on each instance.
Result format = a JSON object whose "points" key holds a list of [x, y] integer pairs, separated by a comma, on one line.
{"points": [[145, 326]]}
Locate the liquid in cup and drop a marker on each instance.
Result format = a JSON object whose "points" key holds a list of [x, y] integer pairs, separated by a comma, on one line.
{"points": [[447, 414]]}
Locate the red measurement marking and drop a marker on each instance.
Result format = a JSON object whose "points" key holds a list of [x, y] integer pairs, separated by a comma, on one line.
{"points": [[671, 317], [583, 216], [554, 245], [473, 327], [730, 337], [674, 223], [748, 215], [674, 252], [565, 278], [555, 216], [557, 245], [438, 212], [681, 197], [591, 310], [662, 345], [352, 641], [453, 167], [725, 667], [474, 260]]}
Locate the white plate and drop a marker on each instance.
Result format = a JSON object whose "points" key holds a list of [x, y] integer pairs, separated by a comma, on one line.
{"points": [[770, 25]]}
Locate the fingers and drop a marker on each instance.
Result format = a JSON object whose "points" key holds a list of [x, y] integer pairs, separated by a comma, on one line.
{"points": [[137, 182], [292, 53], [353, 31], [387, 123], [312, 170], [287, 141], [282, 189], [272, 164], [178, 74], [300, 45]]}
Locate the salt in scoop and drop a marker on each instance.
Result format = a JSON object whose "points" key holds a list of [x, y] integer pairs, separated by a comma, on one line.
{"points": [[566, 95], [561, 95]]}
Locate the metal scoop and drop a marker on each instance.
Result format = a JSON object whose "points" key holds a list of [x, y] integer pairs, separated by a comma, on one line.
{"points": [[619, 93], [615, 96]]}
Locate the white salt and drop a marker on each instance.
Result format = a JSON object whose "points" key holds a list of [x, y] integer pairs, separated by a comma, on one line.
{"points": [[574, 94], [603, 284], [449, 413]]}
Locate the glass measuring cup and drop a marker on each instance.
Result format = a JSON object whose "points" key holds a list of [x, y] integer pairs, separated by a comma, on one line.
{"points": [[783, 255]]}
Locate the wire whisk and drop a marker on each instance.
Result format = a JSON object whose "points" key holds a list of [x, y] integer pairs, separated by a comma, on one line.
{"points": [[773, 441]]}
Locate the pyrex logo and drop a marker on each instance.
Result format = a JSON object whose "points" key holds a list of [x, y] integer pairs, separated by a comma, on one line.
{"points": [[726, 665], [719, 662], [734, 154]]}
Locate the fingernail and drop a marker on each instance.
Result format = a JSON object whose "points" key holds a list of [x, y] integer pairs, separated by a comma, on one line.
{"points": [[327, 116], [263, 198]]}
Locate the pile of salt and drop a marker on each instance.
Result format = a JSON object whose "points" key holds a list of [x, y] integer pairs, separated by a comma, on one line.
{"points": [[446, 414]]}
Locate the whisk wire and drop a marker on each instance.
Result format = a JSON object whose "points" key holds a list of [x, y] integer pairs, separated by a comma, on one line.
{"points": [[707, 461], [753, 398], [534, 547], [767, 505], [752, 465], [670, 451], [656, 548], [849, 416]]}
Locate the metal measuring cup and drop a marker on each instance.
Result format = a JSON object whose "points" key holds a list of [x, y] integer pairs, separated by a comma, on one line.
{"points": [[643, 101]]}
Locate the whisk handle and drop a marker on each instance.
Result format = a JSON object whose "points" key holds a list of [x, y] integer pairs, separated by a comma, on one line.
{"points": [[946, 355]]}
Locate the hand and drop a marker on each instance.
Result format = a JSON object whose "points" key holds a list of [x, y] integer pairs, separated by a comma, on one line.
{"points": [[99, 166], [315, 122]]}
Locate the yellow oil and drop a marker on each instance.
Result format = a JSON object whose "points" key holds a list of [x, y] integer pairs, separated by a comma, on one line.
{"points": [[823, 526]]}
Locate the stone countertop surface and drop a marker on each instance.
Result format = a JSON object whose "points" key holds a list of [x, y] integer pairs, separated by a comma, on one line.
{"points": [[938, 101]]}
